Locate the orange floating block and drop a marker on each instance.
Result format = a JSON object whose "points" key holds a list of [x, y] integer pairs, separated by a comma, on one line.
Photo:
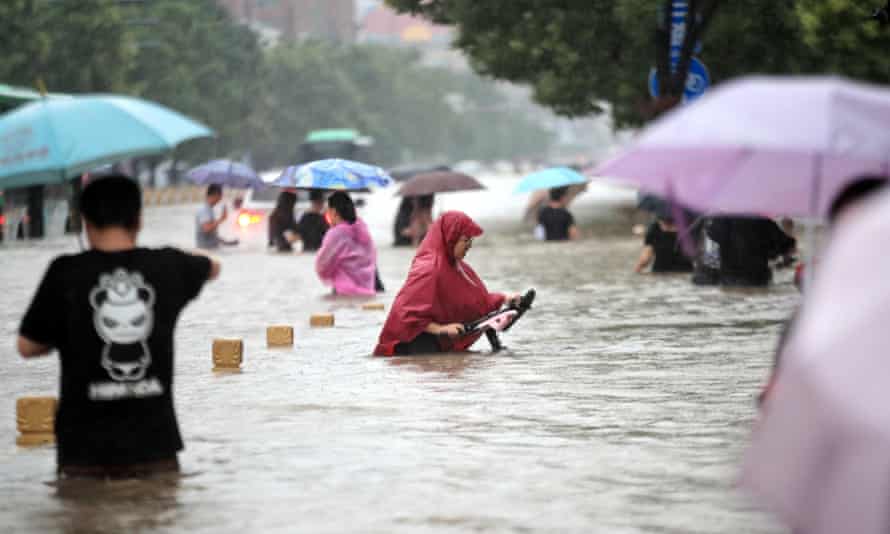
{"points": [[34, 418], [227, 354], [321, 320], [373, 306], [280, 336]]}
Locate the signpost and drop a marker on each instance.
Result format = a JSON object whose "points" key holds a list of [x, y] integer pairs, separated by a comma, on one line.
{"points": [[698, 79]]}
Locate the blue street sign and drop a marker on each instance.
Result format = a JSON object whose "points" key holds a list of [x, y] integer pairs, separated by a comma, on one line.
{"points": [[697, 80], [679, 9]]}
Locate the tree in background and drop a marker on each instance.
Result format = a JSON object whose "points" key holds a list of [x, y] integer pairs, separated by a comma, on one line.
{"points": [[581, 57], [82, 46], [192, 57]]}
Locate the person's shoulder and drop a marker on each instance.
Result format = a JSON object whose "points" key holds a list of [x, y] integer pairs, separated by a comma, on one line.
{"points": [[164, 253], [64, 262]]}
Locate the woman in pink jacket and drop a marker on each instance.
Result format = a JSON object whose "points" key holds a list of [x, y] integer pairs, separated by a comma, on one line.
{"points": [[347, 258]]}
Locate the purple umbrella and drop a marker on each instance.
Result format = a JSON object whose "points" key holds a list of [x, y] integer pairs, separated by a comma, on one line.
{"points": [[227, 173], [782, 145], [819, 456]]}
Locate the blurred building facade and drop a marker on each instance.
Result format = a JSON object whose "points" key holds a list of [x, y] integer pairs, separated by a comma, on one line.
{"points": [[330, 20]]}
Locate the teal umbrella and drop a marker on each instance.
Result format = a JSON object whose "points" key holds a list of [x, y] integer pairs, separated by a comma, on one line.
{"points": [[550, 178], [55, 139]]}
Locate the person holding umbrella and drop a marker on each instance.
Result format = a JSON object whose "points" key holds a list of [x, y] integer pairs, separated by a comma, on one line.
{"points": [[347, 259], [555, 222]]}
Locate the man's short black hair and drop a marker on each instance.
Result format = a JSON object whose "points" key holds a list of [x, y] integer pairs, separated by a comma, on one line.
{"points": [[113, 200], [214, 189], [316, 195], [556, 193], [855, 191]]}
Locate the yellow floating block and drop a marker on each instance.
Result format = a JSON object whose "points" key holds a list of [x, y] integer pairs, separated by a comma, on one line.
{"points": [[373, 306], [280, 336], [321, 320], [34, 418], [227, 354]]}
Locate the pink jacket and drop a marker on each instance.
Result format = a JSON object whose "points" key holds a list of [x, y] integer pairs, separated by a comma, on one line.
{"points": [[347, 259]]}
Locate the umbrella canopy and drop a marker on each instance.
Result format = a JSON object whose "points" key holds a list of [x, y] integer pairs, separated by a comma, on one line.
{"points": [[550, 178], [400, 174], [333, 174], [818, 457], [59, 138], [226, 172], [763, 144], [439, 182]]}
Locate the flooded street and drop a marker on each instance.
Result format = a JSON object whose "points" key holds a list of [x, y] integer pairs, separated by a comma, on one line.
{"points": [[622, 405]]}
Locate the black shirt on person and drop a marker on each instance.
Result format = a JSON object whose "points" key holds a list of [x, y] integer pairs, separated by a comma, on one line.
{"points": [[668, 256], [312, 228], [111, 315], [278, 224], [746, 246], [555, 222]]}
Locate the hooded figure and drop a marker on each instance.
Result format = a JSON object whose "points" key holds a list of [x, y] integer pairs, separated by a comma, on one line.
{"points": [[347, 259], [440, 289]]}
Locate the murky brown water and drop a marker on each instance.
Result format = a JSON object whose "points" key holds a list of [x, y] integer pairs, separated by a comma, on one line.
{"points": [[622, 406]]}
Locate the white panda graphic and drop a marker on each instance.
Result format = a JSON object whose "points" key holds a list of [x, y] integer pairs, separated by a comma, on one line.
{"points": [[123, 317]]}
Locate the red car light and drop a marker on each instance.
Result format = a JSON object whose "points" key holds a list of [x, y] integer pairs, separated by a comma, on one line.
{"points": [[246, 218]]}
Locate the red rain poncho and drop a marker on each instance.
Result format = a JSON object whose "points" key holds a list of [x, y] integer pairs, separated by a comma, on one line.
{"points": [[439, 289]]}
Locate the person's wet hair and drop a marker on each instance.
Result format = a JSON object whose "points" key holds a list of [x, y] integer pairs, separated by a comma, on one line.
{"points": [[285, 203], [113, 200], [342, 204], [557, 193], [425, 201], [316, 195], [855, 191], [214, 189]]}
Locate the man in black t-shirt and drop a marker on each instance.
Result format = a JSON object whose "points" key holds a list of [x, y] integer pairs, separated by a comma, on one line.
{"points": [[110, 312], [662, 249], [555, 223]]}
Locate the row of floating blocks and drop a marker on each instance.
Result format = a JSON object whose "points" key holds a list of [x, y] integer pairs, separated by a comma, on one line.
{"points": [[229, 353], [35, 416]]}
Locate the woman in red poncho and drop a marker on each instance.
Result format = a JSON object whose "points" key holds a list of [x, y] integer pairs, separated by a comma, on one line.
{"points": [[441, 293]]}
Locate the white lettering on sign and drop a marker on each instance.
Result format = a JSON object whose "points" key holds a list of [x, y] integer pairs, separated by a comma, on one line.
{"points": [[110, 391]]}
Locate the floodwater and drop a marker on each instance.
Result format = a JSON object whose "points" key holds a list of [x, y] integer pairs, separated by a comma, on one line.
{"points": [[622, 405]]}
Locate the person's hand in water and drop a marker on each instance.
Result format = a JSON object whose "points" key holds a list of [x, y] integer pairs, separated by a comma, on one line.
{"points": [[451, 330]]}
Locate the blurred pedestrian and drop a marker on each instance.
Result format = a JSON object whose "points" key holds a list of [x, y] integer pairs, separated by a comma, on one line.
{"points": [[706, 267], [421, 219], [110, 312], [402, 223], [442, 293], [312, 225], [347, 258], [661, 249], [747, 244], [282, 223], [207, 223], [555, 222]]}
